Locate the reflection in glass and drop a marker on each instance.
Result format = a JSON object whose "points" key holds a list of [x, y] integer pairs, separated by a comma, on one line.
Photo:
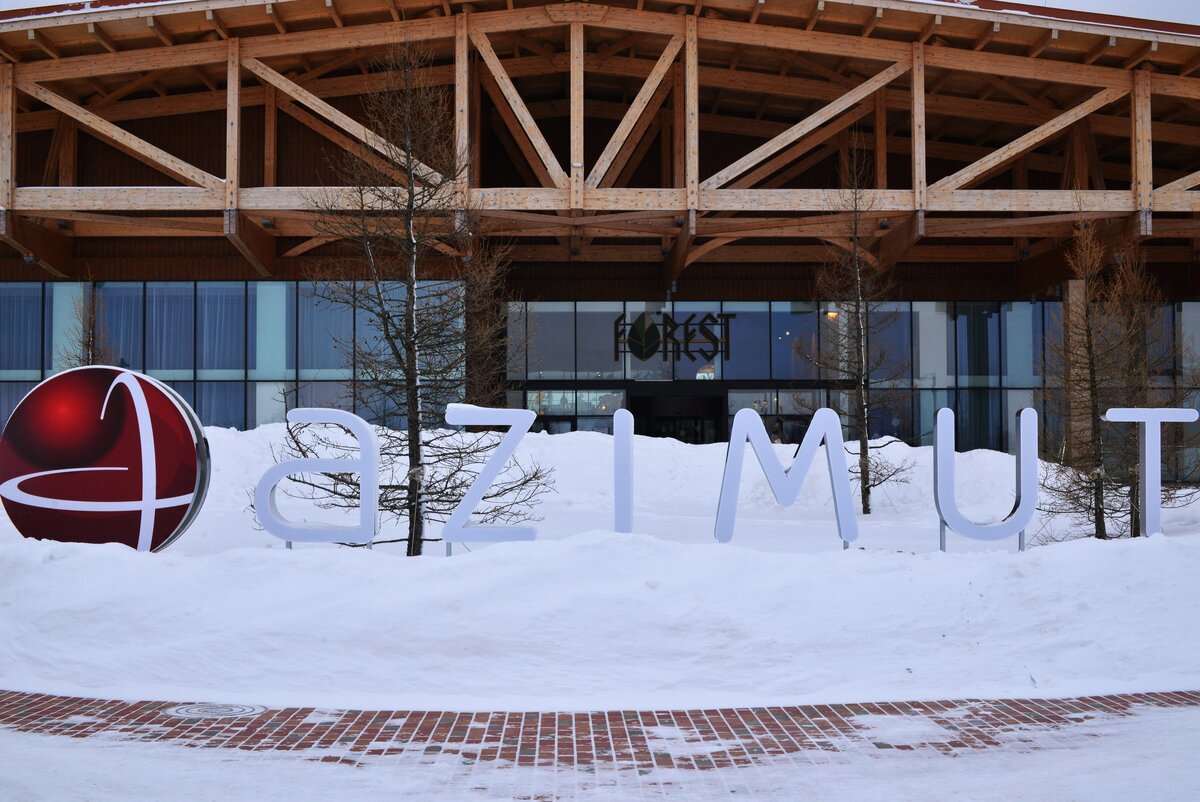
{"points": [[595, 350], [794, 341], [325, 332], [550, 328], [749, 340]]}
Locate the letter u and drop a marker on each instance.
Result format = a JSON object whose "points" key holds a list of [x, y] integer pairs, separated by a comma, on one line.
{"points": [[1025, 504]]}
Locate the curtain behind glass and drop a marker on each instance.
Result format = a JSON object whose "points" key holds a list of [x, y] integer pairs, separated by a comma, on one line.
{"points": [[120, 316], [221, 330], [20, 330], [170, 330]]}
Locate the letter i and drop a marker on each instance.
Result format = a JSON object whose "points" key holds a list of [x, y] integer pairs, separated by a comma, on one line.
{"points": [[623, 471]]}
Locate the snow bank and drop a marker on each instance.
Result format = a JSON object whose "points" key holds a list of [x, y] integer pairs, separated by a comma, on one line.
{"points": [[598, 620]]}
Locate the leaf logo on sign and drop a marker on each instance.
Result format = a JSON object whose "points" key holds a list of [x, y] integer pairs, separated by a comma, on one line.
{"points": [[643, 339]]}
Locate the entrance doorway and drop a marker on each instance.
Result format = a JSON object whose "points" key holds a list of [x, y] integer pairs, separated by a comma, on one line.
{"points": [[691, 418]]}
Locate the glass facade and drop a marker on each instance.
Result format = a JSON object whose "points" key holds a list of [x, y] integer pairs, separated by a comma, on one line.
{"points": [[241, 353], [984, 360]]}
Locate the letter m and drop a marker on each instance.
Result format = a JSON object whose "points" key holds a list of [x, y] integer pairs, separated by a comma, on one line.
{"points": [[785, 483]]}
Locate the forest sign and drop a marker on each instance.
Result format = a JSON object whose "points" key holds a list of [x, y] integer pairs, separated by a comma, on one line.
{"points": [[106, 455]]}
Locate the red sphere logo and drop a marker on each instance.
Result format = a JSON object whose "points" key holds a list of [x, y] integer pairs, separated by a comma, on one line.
{"points": [[103, 455]]}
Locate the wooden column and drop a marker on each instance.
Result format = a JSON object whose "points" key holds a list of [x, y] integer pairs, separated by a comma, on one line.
{"points": [[576, 174], [1143, 148], [8, 137], [691, 114], [270, 137], [881, 150], [462, 102], [918, 135], [233, 123]]}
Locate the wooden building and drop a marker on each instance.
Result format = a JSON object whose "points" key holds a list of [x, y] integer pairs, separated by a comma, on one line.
{"points": [[633, 150]]}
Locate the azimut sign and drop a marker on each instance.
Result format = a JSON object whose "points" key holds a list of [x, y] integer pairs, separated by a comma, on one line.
{"points": [[106, 455]]}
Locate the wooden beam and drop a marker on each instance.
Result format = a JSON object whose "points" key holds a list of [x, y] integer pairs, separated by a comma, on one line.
{"points": [[256, 245], [1190, 181], [1142, 151], [519, 110], [691, 113], [919, 169], [233, 124], [1017, 147], [343, 121], [813, 121], [462, 100], [576, 102], [635, 112], [37, 244], [127, 142], [8, 137]]}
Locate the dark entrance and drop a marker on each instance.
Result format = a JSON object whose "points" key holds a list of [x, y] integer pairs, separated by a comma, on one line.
{"points": [[689, 418]]}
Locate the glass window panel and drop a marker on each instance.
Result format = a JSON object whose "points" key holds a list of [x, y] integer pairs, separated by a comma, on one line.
{"points": [[978, 419], [596, 347], [1188, 320], [643, 320], [1160, 340], [1021, 323], [977, 344], [271, 329], [516, 343], [602, 425], [749, 327], [170, 314], [325, 395], [186, 391], [697, 324], [794, 340], [325, 332], [928, 403], [1014, 402], [599, 402], [761, 401], [11, 394], [1052, 342], [221, 330], [120, 316], [889, 345], [269, 402], [550, 328], [221, 404], [891, 414], [551, 402], [21, 331], [932, 345]]}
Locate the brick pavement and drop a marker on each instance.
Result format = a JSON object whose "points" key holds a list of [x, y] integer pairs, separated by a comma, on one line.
{"points": [[642, 741]]}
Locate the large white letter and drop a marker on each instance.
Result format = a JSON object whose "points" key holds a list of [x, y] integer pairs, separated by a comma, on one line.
{"points": [[1150, 423], [366, 466], [518, 421], [623, 471], [1025, 504], [785, 483]]}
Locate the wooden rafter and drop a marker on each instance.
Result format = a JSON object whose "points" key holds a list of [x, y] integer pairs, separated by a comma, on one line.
{"points": [[810, 123], [134, 146]]}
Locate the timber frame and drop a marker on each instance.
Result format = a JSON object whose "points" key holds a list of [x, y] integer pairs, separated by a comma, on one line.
{"points": [[659, 133]]}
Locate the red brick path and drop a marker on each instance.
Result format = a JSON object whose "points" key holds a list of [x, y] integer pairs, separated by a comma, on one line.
{"points": [[634, 740]]}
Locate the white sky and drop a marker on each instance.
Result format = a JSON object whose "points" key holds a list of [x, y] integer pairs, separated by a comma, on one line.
{"points": [[1170, 10]]}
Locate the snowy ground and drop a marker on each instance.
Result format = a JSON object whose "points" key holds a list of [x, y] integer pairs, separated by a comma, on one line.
{"points": [[592, 619], [1149, 756]]}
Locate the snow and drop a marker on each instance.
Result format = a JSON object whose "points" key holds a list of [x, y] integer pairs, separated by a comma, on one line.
{"points": [[586, 618], [1147, 756]]}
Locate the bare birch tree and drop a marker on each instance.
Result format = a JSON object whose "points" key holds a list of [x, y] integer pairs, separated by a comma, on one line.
{"points": [[429, 295], [86, 343], [855, 351]]}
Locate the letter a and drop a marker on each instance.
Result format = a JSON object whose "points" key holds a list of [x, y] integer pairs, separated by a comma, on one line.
{"points": [[1025, 504], [826, 427], [366, 466]]}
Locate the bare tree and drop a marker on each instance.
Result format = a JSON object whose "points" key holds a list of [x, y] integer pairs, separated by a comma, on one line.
{"points": [[1113, 351], [86, 343], [429, 294], [856, 351]]}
